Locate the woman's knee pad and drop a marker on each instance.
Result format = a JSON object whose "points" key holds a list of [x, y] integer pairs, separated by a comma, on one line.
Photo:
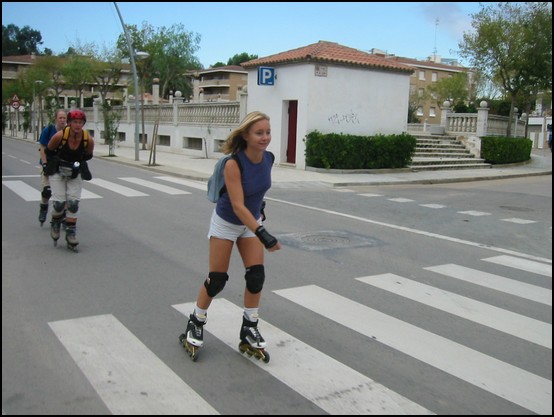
{"points": [[255, 277], [215, 283]]}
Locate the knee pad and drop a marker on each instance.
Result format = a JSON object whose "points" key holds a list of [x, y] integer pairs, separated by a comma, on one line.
{"points": [[255, 277], [215, 283], [46, 192], [58, 206], [73, 206]]}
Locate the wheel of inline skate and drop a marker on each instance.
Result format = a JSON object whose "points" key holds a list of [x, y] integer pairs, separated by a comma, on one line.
{"points": [[192, 350], [265, 359]]}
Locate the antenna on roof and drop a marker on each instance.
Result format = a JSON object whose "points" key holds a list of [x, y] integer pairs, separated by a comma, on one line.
{"points": [[435, 47]]}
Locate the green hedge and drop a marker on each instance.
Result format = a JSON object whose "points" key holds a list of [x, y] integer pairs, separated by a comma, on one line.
{"points": [[340, 151], [501, 150]]}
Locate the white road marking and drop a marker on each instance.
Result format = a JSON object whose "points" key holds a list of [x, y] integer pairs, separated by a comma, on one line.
{"points": [[507, 381], [129, 378], [330, 385]]}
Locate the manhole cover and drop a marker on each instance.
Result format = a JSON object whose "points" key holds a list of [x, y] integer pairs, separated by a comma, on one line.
{"points": [[326, 240]]}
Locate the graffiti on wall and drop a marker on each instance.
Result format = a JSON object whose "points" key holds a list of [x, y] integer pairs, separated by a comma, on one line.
{"points": [[350, 118]]}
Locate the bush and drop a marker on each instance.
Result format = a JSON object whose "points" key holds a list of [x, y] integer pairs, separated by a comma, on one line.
{"points": [[340, 151], [501, 150]]}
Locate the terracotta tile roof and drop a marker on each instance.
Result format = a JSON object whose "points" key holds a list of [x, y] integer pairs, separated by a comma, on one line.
{"points": [[331, 53], [226, 68], [19, 59], [415, 62]]}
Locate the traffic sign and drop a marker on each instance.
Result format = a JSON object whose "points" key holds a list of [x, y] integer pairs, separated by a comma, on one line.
{"points": [[15, 101], [266, 76]]}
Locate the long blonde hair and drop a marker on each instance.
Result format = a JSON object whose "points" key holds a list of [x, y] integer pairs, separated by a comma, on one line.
{"points": [[235, 141]]}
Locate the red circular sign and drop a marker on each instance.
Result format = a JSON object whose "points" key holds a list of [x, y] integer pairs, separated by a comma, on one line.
{"points": [[15, 105]]}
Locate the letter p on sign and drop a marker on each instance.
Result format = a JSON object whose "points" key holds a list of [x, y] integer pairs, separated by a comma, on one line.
{"points": [[266, 76]]}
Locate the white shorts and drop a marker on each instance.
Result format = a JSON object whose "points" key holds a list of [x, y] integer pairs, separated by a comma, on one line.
{"points": [[223, 229]]}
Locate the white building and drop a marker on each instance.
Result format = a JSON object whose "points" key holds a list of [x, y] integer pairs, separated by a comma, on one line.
{"points": [[330, 88]]}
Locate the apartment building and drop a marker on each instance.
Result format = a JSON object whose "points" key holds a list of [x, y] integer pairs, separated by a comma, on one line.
{"points": [[425, 74], [14, 66], [218, 84]]}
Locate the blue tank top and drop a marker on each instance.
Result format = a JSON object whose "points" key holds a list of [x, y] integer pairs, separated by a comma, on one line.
{"points": [[256, 180]]}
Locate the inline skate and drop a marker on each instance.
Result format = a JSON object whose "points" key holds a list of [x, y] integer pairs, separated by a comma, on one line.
{"points": [[251, 341], [70, 237], [55, 226], [42, 213], [193, 338]]}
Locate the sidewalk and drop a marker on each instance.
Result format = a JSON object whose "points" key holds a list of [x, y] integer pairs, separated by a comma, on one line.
{"points": [[200, 169]]}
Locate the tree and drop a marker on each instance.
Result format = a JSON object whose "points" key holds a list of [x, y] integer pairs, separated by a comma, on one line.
{"points": [[107, 73], [512, 45], [16, 41], [171, 53], [78, 72], [238, 59], [49, 68], [454, 88], [104, 69]]}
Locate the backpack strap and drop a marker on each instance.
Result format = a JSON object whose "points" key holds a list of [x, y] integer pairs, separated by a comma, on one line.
{"points": [[237, 159], [65, 137]]}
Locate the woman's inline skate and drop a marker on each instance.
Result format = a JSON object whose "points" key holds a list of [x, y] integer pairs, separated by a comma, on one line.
{"points": [[251, 341], [193, 338]]}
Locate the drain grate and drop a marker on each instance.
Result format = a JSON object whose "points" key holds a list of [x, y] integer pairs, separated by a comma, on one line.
{"points": [[327, 240]]}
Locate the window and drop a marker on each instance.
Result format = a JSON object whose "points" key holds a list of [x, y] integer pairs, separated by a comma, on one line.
{"points": [[420, 111], [432, 112], [422, 75], [192, 143], [434, 76], [421, 92], [164, 140], [218, 143]]}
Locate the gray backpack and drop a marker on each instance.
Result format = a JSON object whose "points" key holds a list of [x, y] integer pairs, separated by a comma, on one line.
{"points": [[216, 183]]}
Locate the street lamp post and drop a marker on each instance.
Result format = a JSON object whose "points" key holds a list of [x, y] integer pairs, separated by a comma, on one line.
{"points": [[135, 80], [141, 56], [35, 109]]}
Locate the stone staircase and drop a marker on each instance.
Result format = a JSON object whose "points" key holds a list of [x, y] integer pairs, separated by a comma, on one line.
{"points": [[436, 152]]}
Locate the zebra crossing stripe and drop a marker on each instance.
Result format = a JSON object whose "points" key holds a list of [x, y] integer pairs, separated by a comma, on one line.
{"points": [[507, 381], [155, 186], [188, 183], [26, 192], [116, 188], [474, 213], [301, 367], [523, 264], [495, 282], [128, 377], [503, 320]]}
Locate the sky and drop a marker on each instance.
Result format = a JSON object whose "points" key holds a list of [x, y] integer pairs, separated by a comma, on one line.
{"points": [[412, 30]]}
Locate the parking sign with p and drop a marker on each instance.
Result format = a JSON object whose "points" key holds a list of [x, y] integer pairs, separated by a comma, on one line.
{"points": [[266, 76]]}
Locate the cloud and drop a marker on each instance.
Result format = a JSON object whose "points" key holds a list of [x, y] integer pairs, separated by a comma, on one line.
{"points": [[453, 20]]}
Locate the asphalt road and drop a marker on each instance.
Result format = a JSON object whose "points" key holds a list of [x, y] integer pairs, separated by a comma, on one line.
{"points": [[390, 300]]}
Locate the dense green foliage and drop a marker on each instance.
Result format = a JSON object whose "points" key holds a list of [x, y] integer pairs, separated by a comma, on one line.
{"points": [[340, 151], [502, 150]]}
